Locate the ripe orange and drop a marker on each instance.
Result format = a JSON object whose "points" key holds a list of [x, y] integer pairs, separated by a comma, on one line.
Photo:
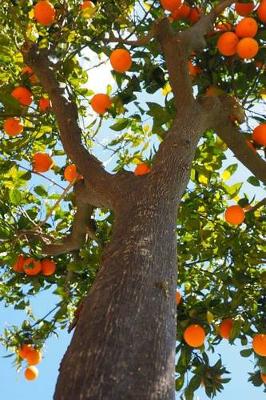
{"points": [[100, 103], [121, 60], [86, 4], [259, 134], [33, 356], [194, 335], [170, 5], [225, 328], [13, 126], [244, 9], [181, 13], [194, 15], [48, 267], [227, 43], [22, 95], [261, 11], [263, 377], [259, 344], [44, 12], [32, 267], [31, 373], [247, 27], [234, 215], [71, 173], [142, 169], [28, 70], [44, 104], [178, 297], [247, 48], [24, 350], [18, 266], [193, 70], [42, 162]]}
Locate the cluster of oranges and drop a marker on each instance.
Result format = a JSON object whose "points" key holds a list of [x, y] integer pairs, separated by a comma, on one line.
{"points": [[181, 11], [33, 357], [32, 267]]}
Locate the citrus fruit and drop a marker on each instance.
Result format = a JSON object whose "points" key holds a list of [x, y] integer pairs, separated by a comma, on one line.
{"points": [[42, 162], [44, 12], [259, 134], [234, 215], [247, 27], [120, 60], [227, 43], [13, 126], [247, 48], [32, 267], [31, 373], [194, 335], [259, 344], [100, 103], [22, 95], [225, 328], [142, 169], [48, 267]]}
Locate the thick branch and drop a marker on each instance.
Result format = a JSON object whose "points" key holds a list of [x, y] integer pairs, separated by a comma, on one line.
{"points": [[231, 135], [67, 117]]}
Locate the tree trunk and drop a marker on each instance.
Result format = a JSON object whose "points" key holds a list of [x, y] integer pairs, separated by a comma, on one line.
{"points": [[124, 343]]}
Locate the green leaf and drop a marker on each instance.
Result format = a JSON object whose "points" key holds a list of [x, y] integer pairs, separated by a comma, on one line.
{"points": [[246, 352], [15, 196], [253, 181], [120, 124]]}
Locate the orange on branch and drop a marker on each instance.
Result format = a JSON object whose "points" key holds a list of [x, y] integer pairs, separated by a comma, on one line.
{"points": [[178, 297], [48, 267], [247, 27], [259, 344], [44, 12], [181, 13], [259, 134], [34, 356], [193, 69], [31, 373], [244, 9], [261, 11], [194, 15], [225, 328], [142, 169], [120, 60], [22, 95], [227, 43], [32, 267], [44, 104], [234, 215], [71, 173], [24, 350], [170, 5], [194, 335], [18, 265], [42, 162], [13, 126], [247, 48], [29, 71], [100, 103]]}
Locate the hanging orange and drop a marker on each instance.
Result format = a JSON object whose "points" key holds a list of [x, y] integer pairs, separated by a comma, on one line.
{"points": [[42, 162], [32, 267], [100, 103], [234, 215], [247, 27], [13, 126], [182, 12], [31, 373], [24, 350], [259, 134], [227, 43], [18, 266], [194, 15], [34, 356], [22, 95], [170, 5], [44, 104], [71, 173], [44, 12], [194, 335], [225, 328], [247, 48], [259, 344], [244, 9], [178, 297], [48, 267], [142, 169], [261, 11], [120, 60]]}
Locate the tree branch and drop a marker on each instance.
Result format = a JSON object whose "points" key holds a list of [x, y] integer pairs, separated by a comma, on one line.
{"points": [[67, 117]]}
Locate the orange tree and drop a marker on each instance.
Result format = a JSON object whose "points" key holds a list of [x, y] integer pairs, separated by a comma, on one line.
{"points": [[188, 83]]}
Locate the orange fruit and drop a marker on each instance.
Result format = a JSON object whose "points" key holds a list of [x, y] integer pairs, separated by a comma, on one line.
{"points": [[42, 162], [247, 27], [259, 134], [261, 11], [48, 267], [31, 373], [22, 95], [193, 70], [44, 12], [13, 126], [18, 266], [100, 103], [121, 60], [263, 377], [194, 14], [24, 350], [227, 43], [44, 104], [86, 4], [33, 356], [88, 9], [178, 297], [244, 9], [225, 328], [28, 70], [234, 215], [32, 267], [142, 169], [181, 13], [194, 335], [170, 5], [71, 173], [259, 344], [247, 48]]}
